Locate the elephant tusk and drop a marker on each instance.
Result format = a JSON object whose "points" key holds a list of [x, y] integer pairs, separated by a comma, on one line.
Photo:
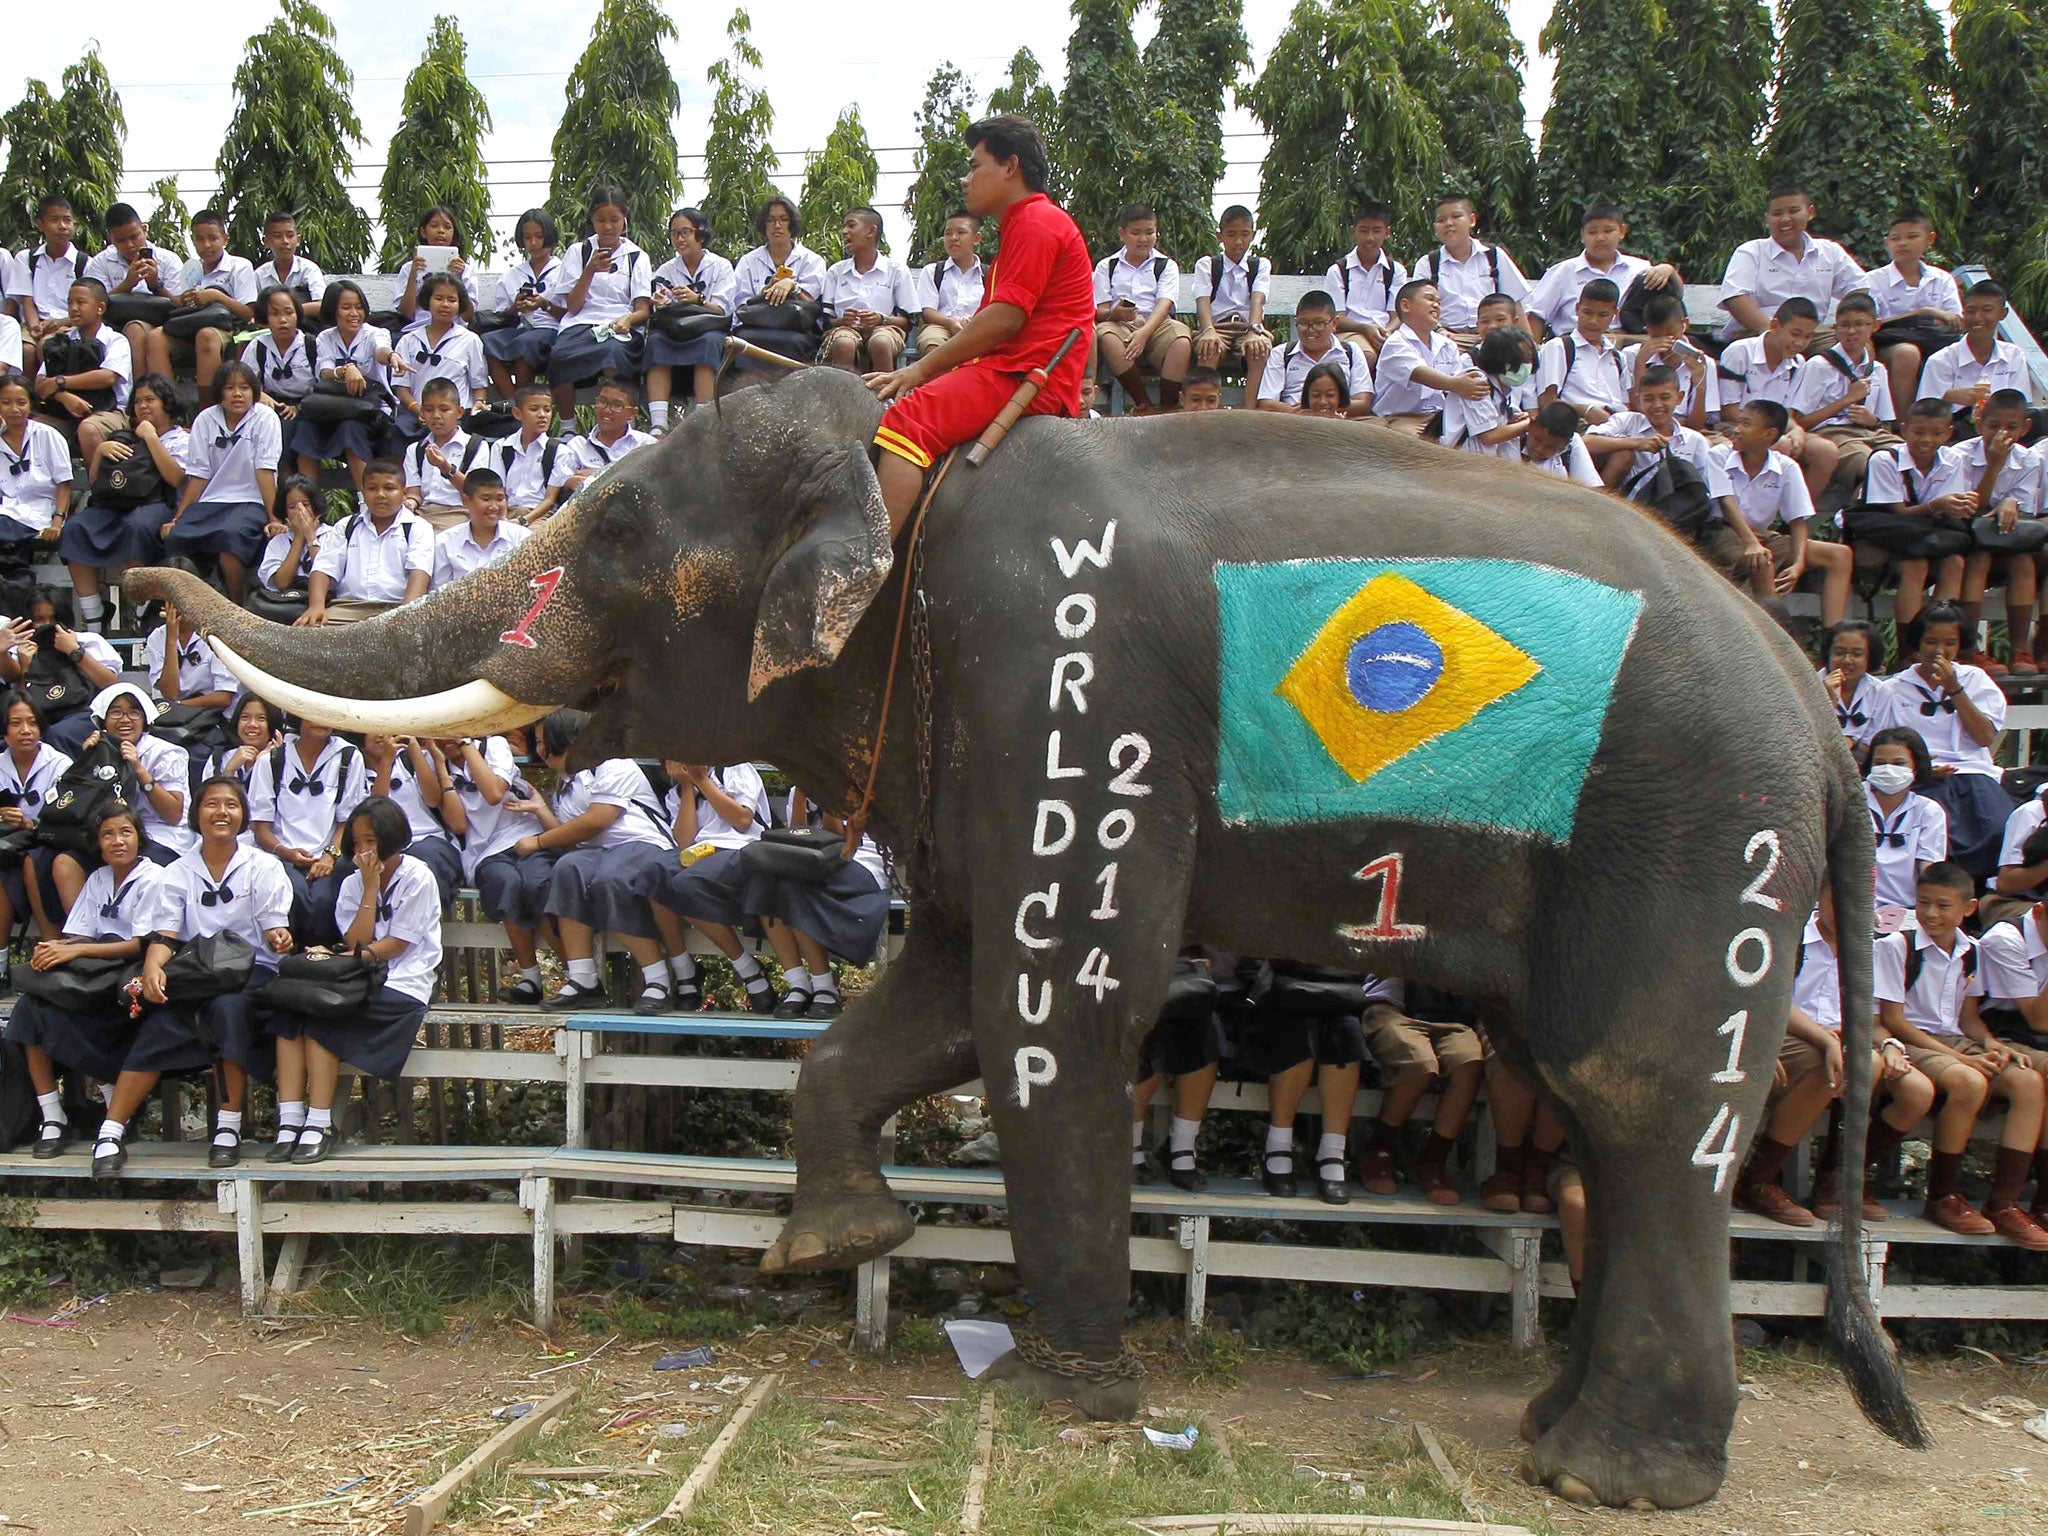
{"points": [[476, 708]]}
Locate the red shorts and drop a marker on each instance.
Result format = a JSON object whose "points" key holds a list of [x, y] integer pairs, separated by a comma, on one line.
{"points": [[951, 410]]}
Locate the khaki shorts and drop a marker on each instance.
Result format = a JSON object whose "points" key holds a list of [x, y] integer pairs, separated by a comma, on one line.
{"points": [[1232, 341], [1934, 1063], [1722, 546], [348, 610], [1408, 1051], [1169, 331], [929, 336], [891, 336], [1800, 1058], [1856, 444], [441, 519]]}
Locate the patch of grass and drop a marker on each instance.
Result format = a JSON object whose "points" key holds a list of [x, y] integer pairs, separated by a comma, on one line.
{"points": [[35, 1261], [1359, 1330], [916, 1336], [414, 1285], [1215, 1357]]}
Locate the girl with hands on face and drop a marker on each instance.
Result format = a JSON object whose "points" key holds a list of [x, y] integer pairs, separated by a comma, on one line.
{"points": [[29, 768]]}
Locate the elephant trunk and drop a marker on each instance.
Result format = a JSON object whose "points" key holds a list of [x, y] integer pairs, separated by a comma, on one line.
{"points": [[496, 649]]}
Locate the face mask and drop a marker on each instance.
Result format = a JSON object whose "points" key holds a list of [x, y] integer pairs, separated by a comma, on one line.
{"points": [[1890, 778], [1518, 375]]}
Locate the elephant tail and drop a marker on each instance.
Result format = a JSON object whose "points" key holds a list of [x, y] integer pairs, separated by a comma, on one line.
{"points": [[1865, 1350]]}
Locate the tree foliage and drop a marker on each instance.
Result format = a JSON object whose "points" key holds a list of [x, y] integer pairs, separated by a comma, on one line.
{"points": [[169, 221], [1102, 119], [68, 144], [1025, 93], [436, 156], [941, 160], [2001, 64], [1191, 64], [291, 142], [739, 163], [618, 119], [1479, 105], [838, 177]]}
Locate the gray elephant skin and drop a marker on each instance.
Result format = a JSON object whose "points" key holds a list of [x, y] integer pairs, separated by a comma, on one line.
{"points": [[1287, 687]]}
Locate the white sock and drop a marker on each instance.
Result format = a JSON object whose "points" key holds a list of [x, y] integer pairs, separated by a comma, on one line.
{"points": [[530, 973], [318, 1119], [1182, 1141], [747, 968], [657, 413], [291, 1114], [583, 972], [1137, 1135], [822, 984], [90, 609], [1280, 1144], [654, 978], [229, 1120], [798, 978], [111, 1130], [107, 1093], [683, 968], [1330, 1149], [52, 1106]]}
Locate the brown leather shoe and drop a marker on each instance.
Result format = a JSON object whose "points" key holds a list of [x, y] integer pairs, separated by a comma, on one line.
{"points": [[2018, 1228], [1436, 1184], [1502, 1192], [1536, 1199], [1376, 1171], [1827, 1202], [1772, 1201], [1955, 1214]]}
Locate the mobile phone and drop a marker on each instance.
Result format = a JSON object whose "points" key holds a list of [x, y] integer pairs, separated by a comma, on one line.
{"points": [[46, 636]]}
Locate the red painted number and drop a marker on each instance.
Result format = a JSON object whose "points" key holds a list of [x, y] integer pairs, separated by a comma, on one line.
{"points": [[543, 589], [1387, 869]]}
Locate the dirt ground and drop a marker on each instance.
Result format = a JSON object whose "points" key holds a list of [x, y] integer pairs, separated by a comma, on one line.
{"points": [[163, 1414]]}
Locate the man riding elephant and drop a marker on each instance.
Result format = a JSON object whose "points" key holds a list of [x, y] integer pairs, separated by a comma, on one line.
{"points": [[1270, 684]]}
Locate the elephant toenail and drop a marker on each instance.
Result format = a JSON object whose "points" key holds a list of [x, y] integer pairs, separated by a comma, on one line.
{"points": [[1641, 1505], [805, 1247], [1573, 1491]]}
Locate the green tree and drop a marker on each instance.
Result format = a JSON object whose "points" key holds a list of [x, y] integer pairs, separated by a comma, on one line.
{"points": [[1102, 117], [838, 177], [1855, 122], [739, 163], [1191, 64], [618, 118], [1479, 104], [1026, 94], [34, 130], [290, 143], [941, 161], [437, 154], [169, 221], [2001, 61], [1710, 193], [68, 144]]}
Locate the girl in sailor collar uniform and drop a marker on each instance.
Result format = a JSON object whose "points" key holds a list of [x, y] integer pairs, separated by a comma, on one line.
{"points": [[230, 479], [603, 287], [35, 474], [300, 795], [112, 916], [516, 353], [415, 776], [101, 539], [727, 808], [437, 227], [808, 923], [283, 358], [1911, 829], [216, 886], [28, 767], [389, 910], [254, 736], [161, 770], [357, 355], [512, 888], [1856, 695], [444, 348]]}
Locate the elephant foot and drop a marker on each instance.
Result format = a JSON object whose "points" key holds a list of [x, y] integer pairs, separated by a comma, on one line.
{"points": [[1548, 1406], [1588, 1459], [1110, 1400], [850, 1230]]}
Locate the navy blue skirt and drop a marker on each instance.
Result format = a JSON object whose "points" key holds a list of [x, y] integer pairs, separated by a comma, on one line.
{"points": [[12, 532], [342, 440], [846, 914], [579, 357], [34, 865], [377, 1042], [233, 528], [709, 890], [515, 890], [93, 1043], [312, 916], [1977, 807], [102, 536], [188, 1038], [443, 860], [604, 887], [522, 343], [697, 352]]}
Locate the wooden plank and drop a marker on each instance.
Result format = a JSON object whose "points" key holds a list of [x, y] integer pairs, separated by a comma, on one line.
{"points": [[131, 1216], [248, 1202], [1330, 1525], [975, 1505], [491, 1066], [291, 1260], [1971, 1301], [411, 1218], [1359, 1266], [693, 1072], [425, 1511], [707, 1466]]}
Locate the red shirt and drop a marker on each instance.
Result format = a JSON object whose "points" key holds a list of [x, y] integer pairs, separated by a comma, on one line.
{"points": [[1044, 269]]}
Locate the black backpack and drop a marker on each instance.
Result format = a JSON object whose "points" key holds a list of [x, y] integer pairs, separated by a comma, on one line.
{"points": [[96, 779], [56, 684], [68, 353], [1251, 276], [1675, 491], [1492, 267], [1571, 356], [125, 484], [342, 762], [1386, 282]]}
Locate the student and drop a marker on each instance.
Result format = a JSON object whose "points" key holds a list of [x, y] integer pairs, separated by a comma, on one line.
{"points": [[300, 796], [1927, 985], [378, 558], [1958, 712], [515, 353], [1315, 343], [2022, 877], [1911, 830], [597, 450], [131, 265], [29, 769], [1579, 366], [254, 729], [1769, 493], [445, 348], [701, 278], [1201, 390], [284, 358], [214, 276], [215, 886], [1853, 686], [1808, 1077], [1136, 288], [230, 479], [1295, 1048], [1186, 1043], [287, 563], [1787, 263], [44, 274], [1494, 424], [98, 664], [414, 775], [186, 671], [2015, 966], [1967, 374], [124, 713], [728, 809], [781, 268], [1843, 393], [114, 913], [1413, 1057], [1770, 367], [87, 406], [437, 227], [1418, 365], [869, 299], [1915, 507], [525, 460], [35, 476], [289, 268], [357, 356], [604, 286], [807, 924], [1913, 298], [2007, 480], [1553, 445], [1628, 446], [1464, 269], [1367, 279], [1230, 299], [1326, 392], [1554, 299], [1699, 381], [486, 538], [949, 290], [433, 461], [512, 888]]}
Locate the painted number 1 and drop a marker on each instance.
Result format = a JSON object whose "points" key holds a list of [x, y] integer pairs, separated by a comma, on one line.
{"points": [[1387, 869], [543, 590]]}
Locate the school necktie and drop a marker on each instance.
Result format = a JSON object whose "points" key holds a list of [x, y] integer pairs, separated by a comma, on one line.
{"points": [[384, 910], [226, 440], [428, 359], [216, 895], [1930, 705], [461, 782], [304, 785], [1887, 837], [1846, 716], [113, 908], [17, 466]]}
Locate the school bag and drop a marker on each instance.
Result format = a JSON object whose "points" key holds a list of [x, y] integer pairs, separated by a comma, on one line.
{"points": [[125, 484], [1676, 492], [1571, 357], [55, 683], [265, 357], [1386, 285], [189, 322], [68, 353], [1492, 267], [492, 420], [96, 779], [341, 763], [1251, 277], [508, 453], [1637, 297]]}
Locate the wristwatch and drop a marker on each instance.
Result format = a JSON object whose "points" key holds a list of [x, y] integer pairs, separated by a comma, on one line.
{"points": [[149, 786]]}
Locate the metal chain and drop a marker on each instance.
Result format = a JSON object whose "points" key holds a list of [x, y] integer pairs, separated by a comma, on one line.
{"points": [[1033, 1349]]}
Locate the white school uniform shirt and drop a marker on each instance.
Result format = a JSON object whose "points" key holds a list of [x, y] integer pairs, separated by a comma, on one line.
{"points": [[421, 813], [1747, 374], [234, 276], [103, 911], [2013, 958], [1909, 699], [420, 314], [886, 287], [1555, 297], [252, 895], [1236, 285], [300, 815], [1575, 463], [2022, 824], [47, 279], [756, 270], [29, 479], [274, 553], [458, 357], [1915, 834], [330, 352], [1710, 384], [10, 343], [1584, 372], [1895, 296], [952, 291], [411, 910], [1935, 1000], [1465, 419], [109, 267], [1144, 283], [2019, 477], [1821, 382], [616, 781], [286, 375], [1460, 285], [743, 783], [713, 280], [118, 358], [435, 488], [1366, 294], [228, 459], [1776, 492], [32, 788], [588, 453], [492, 828], [457, 553], [199, 670], [1956, 367], [524, 277], [167, 764], [1288, 368], [371, 566], [1817, 985], [1893, 479], [522, 465], [302, 273], [1857, 716], [1394, 391], [1686, 444], [1819, 270], [611, 295]]}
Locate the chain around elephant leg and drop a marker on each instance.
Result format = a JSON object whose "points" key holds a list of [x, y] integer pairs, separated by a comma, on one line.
{"points": [[1100, 1388]]}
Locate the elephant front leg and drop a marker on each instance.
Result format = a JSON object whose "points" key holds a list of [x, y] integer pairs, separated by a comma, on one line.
{"points": [[908, 1038]]}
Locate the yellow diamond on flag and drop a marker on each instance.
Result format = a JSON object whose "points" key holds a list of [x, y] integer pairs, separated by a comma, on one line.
{"points": [[1394, 667]]}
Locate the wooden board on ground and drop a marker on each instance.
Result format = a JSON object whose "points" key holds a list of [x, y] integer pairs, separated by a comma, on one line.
{"points": [[976, 1502], [425, 1512], [707, 1466], [1326, 1525]]}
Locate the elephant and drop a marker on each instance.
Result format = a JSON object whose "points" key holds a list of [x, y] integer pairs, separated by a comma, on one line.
{"points": [[1284, 686]]}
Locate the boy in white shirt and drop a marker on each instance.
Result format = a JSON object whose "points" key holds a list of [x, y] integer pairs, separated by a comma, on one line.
{"points": [[1970, 372], [526, 459], [131, 264], [1602, 228], [89, 405], [870, 297], [1135, 292], [1553, 446], [1287, 370], [1579, 367], [1230, 299], [40, 285], [213, 276], [2007, 479], [1912, 293], [1916, 507], [433, 465], [288, 267], [1465, 270], [486, 538], [590, 455], [1769, 492], [1418, 363], [949, 291], [1628, 446], [1769, 367], [1367, 278], [1843, 394], [1699, 381], [377, 559], [1788, 263]]}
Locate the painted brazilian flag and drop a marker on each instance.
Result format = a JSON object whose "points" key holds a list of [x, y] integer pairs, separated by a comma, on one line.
{"points": [[1469, 692]]}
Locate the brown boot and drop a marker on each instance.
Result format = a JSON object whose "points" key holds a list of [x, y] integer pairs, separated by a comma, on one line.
{"points": [[1827, 1204], [1432, 1171], [1955, 1214], [1376, 1171]]}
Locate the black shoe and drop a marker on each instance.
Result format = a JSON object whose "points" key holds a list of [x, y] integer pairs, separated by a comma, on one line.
{"points": [[825, 1005], [763, 1000], [287, 1141], [1145, 1169], [1331, 1191], [1280, 1186], [224, 1154], [48, 1146], [652, 1000], [1192, 1180], [316, 1144], [523, 992], [573, 996], [796, 1002], [685, 997], [104, 1163]]}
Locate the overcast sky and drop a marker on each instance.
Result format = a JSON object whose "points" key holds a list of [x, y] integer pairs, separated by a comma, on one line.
{"points": [[174, 79]]}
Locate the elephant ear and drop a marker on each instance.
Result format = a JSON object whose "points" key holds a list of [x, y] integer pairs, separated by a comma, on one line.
{"points": [[823, 582]]}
